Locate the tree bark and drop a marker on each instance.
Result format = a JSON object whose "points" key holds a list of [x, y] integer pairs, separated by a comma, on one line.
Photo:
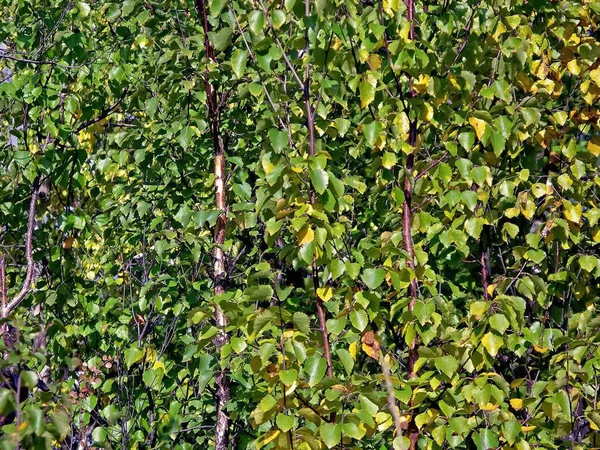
{"points": [[222, 390]]}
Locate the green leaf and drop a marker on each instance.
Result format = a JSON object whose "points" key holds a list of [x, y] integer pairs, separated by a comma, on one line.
{"points": [[284, 422], [315, 368], [367, 92], [372, 131], [347, 360], [278, 139], [238, 62], [302, 322], [288, 377], [133, 355], [423, 311], [62, 422], [467, 140], [185, 137], [589, 263], [256, 20], [331, 434], [447, 365], [359, 319], [319, 179], [499, 322], [373, 277], [469, 198]]}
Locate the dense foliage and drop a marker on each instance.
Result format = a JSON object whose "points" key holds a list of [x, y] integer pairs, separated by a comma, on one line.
{"points": [[300, 224]]}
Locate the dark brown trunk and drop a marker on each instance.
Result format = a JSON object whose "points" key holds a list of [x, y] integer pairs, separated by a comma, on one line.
{"points": [[413, 431], [322, 319]]}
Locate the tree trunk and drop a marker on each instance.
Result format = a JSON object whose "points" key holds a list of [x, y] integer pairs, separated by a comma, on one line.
{"points": [[222, 391]]}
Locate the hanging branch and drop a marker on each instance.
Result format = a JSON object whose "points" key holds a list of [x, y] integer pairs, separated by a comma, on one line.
{"points": [[222, 392], [29, 277]]}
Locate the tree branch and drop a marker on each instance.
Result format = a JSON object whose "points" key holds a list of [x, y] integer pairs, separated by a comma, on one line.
{"points": [[29, 278]]}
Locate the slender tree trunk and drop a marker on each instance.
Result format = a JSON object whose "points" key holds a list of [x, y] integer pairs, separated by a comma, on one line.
{"points": [[485, 264], [310, 124], [413, 430], [222, 391]]}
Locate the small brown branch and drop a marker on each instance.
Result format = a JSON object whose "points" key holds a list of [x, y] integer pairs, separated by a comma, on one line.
{"points": [[278, 42], [467, 33], [484, 274], [36, 62], [391, 397], [3, 280], [431, 166], [103, 114], [322, 319], [29, 277]]}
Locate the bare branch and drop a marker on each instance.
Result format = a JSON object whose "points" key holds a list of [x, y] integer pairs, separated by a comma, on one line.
{"points": [[29, 278], [103, 114], [391, 397]]}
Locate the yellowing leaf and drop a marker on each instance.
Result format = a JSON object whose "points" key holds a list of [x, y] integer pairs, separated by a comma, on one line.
{"points": [[479, 125], [574, 67], [572, 212], [374, 61], [427, 112], [325, 293], [489, 407], [420, 84], [525, 429], [540, 349], [595, 76], [594, 146], [353, 349], [516, 403], [305, 235], [492, 343], [478, 309], [371, 345]]}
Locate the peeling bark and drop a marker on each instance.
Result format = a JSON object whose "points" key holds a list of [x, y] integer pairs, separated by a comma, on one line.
{"points": [[222, 391]]}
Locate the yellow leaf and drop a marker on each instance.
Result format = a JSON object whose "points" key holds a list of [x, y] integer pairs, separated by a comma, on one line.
{"points": [[403, 123], [374, 61], [516, 403], [353, 349], [595, 75], [479, 125], [305, 235], [325, 293], [525, 429], [594, 146], [478, 309], [574, 67], [427, 112], [23, 425], [540, 349], [489, 407], [420, 84], [267, 438], [572, 212]]}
